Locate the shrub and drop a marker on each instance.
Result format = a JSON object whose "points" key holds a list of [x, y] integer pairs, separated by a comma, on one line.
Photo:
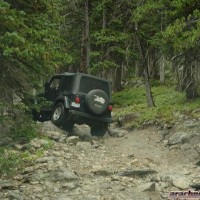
{"points": [[168, 101]]}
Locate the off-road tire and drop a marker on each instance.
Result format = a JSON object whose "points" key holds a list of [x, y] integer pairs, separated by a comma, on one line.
{"points": [[59, 118], [97, 101], [99, 130]]}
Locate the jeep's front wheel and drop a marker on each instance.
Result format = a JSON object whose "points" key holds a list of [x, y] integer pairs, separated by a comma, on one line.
{"points": [[59, 118], [99, 130]]}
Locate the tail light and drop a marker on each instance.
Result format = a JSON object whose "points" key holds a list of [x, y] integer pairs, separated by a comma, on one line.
{"points": [[77, 99], [110, 108]]}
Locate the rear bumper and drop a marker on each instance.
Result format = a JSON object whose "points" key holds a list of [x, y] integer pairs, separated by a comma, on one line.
{"points": [[81, 117]]}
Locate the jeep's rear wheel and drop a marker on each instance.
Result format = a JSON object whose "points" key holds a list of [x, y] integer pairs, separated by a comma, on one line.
{"points": [[59, 118], [99, 130]]}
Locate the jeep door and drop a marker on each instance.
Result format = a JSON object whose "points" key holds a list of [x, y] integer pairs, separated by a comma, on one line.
{"points": [[52, 89]]}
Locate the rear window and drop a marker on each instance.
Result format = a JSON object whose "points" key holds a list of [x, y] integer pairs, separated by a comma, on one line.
{"points": [[66, 84], [87, 84]]}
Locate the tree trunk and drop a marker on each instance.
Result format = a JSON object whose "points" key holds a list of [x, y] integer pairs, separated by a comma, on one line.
{"points": [[104, 19], [152, 67], [87, 32], [189, 81], [138, 69], [162, 70], [144, 64], [148, 88], [118, 79], [85, 47]]}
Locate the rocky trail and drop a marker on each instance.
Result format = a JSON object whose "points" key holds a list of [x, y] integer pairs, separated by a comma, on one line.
{"points": [[124, 165]]}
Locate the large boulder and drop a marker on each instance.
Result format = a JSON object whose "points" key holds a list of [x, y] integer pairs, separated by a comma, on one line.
{"points": [[52, 131], [179, 137]]}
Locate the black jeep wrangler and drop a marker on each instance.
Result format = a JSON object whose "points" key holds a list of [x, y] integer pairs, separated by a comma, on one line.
{"points": [[78, 98]]}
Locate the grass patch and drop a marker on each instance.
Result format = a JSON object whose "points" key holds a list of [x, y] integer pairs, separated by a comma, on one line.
{"points": [[17, 131], [168, 102], [21, 130], [12, 161], [24, 130]]}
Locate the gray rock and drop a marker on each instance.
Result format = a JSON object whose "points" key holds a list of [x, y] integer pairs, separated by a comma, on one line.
{"points": [[166, 179], [55, 176], [55, 135], [121, 134], [81, 130], [64, 197], [72, 140], [167, 126], [102, 172], [164, 195], [117, 132], [146, 187], [60, 175], [70, 186], [15, 195], [163, 134], [197, 148], [28, 170], [181, 182], [44, 159], [83, 145], [53, 132], [7, 185], [179, 137], [155, 179], [40, 176], [196, 186], [198, 163], [38, 143], [191, 123], [95, 144], [49, 126], [161, 186], [136, 172]]}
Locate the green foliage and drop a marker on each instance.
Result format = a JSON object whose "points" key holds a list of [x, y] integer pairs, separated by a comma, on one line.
{"points": [[129, 97], [17, 124], [12, 161], [1, 113], [21, 129], [168, 103], [181, 26], [9, 160], [107, 64], [110, 37], [24, 130], [31, 44]]}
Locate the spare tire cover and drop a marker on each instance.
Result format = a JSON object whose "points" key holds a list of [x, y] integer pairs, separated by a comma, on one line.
{"points": [[97, 101]]}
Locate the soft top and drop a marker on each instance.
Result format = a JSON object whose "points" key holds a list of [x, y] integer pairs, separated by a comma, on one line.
{"points": [[81, 74]]}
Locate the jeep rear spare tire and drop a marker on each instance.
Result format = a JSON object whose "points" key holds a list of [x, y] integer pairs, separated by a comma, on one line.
{"points": [[97, 101]]}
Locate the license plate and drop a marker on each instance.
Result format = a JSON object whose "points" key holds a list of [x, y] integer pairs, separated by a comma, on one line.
{"points": [[75, 105]]}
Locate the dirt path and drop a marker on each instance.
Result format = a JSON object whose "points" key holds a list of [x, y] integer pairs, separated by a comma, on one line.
{"points": [[138, 150], [132, 167], [142, 148]]}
